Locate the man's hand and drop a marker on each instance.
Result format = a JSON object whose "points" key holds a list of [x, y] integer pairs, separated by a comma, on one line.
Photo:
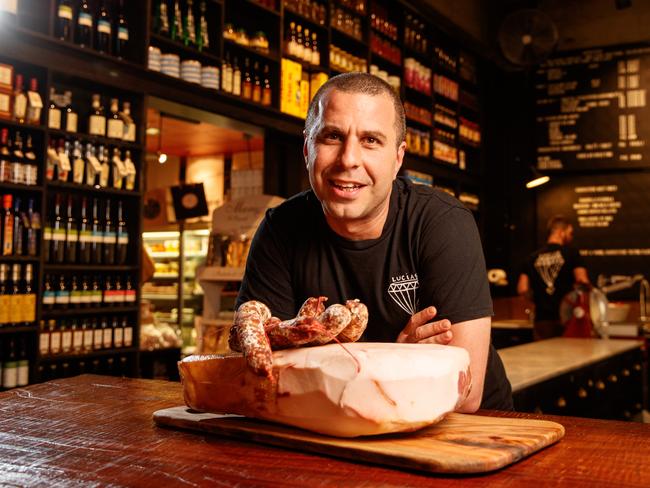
{"points": [[421, 329]]}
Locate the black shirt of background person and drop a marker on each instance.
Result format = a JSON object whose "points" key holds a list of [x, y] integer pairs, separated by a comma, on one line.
{"points": [[550, 271], [429, 253]]}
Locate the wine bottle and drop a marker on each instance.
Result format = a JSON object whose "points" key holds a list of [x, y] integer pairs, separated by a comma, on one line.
{"points": [[122, 236], [78, 163], [31, 234], [66, 336], [30, 166], [62, 293], [23, 364], [85, 233], [17, 157], [18, 229], [247, 89], [5, 297], [77, 336], [97, 242], [57, 254], [20, 100], [257, 84], [189, 32], [5, 157], [10, 366], [54, 115], [71, 117], [75, 292], [85, 22], [266, 89], [97, 121], [122, 37], [55, 337], [29, 297], [104, 34], [108, 256], [115, 126], [16, 306], [49, 294], [64, 20], [7, 226]]}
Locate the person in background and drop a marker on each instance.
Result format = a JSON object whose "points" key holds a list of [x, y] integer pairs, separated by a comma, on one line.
{"points": [[411, 253], [549, 274]]}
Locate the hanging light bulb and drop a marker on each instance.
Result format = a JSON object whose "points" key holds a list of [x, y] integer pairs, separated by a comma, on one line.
{"points": [[162, 157]]}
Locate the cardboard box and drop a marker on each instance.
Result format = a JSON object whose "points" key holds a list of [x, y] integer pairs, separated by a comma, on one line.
{"points": [[290, 87]]}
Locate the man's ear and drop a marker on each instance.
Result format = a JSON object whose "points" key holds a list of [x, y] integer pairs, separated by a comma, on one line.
{"points": [[305, 148], [401, 150]]}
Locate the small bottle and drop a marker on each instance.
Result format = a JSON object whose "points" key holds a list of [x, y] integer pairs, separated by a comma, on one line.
{"points": [[43, 339], [64, 20], [23, 364], [236, 79], [30, 165], [85, 21], [66, 337], [20, 101], [62, 294], [122, 241], [107, 334], [115, 126], [257, 84], [31, 237], [85, 233], [109, 243], [54, 112], [97, 242], [266, 89], [104, 34], [98, 335], [34, 103], [315, 53], [122, 37], [10, 366], [247, 88], [29, 297], [78, 163], [71, 117], [57, 253], [88, 335], [55, 337], [129, 124], [118, 333], [97, 121], [128, 333], [77, 336], [49, 295]]}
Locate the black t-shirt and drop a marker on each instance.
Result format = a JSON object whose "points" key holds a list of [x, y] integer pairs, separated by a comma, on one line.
{"points": [[550, 272], [429, 253]]}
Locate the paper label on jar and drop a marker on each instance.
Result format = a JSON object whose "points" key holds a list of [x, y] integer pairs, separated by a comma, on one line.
{"points": [[128, 336], [20, 106], [85, 19], [115, 128], [5, 75], [55, 342], [109, 237], [35, 100], [4, 103], [49, 297], [54, 118], [44, 343], [29, 307], [94, 162], [65, 12], [97, 339], [129, 296], [97, 125], [71, 122], [108, 337], [104, 27], [64, 162], [5, 308], [118, 338], [122, 238]]}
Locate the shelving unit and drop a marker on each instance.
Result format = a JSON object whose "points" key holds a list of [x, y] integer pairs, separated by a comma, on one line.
{"points": [[64, 64]]}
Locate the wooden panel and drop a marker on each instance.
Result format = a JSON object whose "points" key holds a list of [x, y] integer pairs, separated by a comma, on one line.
{"points": [[459, 444]]}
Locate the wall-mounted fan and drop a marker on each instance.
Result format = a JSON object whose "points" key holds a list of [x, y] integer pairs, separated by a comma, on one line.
{"points": [[527, 37]]}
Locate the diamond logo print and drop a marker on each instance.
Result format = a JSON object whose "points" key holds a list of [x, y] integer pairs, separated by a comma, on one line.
{"points": [[403, 291]]}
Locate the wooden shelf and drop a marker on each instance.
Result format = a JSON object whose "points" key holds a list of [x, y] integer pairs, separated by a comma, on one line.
{"points": [[19, 259], [17, 330], [423, 58], [103, 310], [178, 47], [312, 23], [90, 354], [18, 126], [106, 141], [261, 7], [271, 56], [64, 185], [6, 186], [360, 42], [90, 268]]}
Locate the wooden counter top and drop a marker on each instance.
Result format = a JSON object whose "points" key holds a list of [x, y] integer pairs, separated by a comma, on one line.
{"points": [[97, 430], [532, 363]]}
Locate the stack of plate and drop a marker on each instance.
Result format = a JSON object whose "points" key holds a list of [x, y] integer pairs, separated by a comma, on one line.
{"points": [[191, 71], [171, 65], [154, 58], [210, 77]]}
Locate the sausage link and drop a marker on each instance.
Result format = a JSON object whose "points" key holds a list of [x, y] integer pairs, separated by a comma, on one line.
{"points": [[293, 333], [249, 321], [313, 307], [358, 322], [335, 318]]}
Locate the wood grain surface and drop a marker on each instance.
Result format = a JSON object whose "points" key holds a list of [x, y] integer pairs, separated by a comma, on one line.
{"points": [[458, 444], [92, 431]]}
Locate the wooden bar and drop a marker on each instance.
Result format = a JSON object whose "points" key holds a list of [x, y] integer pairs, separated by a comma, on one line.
{"points": [[98, 430]]}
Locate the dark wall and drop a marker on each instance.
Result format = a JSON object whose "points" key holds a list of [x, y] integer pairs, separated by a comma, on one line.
{"points": [[510, 233]]}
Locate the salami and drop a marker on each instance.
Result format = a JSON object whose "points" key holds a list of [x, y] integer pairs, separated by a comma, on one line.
{"points": [[334, 319], [358, 321], [249, 322], [293, 333], [312, 307]]}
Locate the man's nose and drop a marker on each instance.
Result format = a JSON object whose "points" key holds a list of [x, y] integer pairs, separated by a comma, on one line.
{"points": [[350, 155]]}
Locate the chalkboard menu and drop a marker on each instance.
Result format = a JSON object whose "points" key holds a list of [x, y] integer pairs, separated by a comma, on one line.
{"points": [[592, 110], [610, 213]]}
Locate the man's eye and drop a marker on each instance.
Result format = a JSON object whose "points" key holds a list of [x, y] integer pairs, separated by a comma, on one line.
{"points": [[332, 137]]}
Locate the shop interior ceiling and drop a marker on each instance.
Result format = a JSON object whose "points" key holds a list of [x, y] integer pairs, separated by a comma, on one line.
{"points": [[185, 137]]}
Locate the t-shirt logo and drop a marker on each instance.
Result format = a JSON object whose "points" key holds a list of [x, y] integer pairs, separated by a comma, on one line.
{"points": [[403, 291], [548, 265]]}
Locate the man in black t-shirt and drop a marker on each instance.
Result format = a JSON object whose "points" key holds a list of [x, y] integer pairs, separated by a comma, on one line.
{"points": [[412, 254], [549, 274]]}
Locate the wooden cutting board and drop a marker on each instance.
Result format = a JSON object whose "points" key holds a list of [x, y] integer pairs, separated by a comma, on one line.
{"points": [[459, 444]]}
